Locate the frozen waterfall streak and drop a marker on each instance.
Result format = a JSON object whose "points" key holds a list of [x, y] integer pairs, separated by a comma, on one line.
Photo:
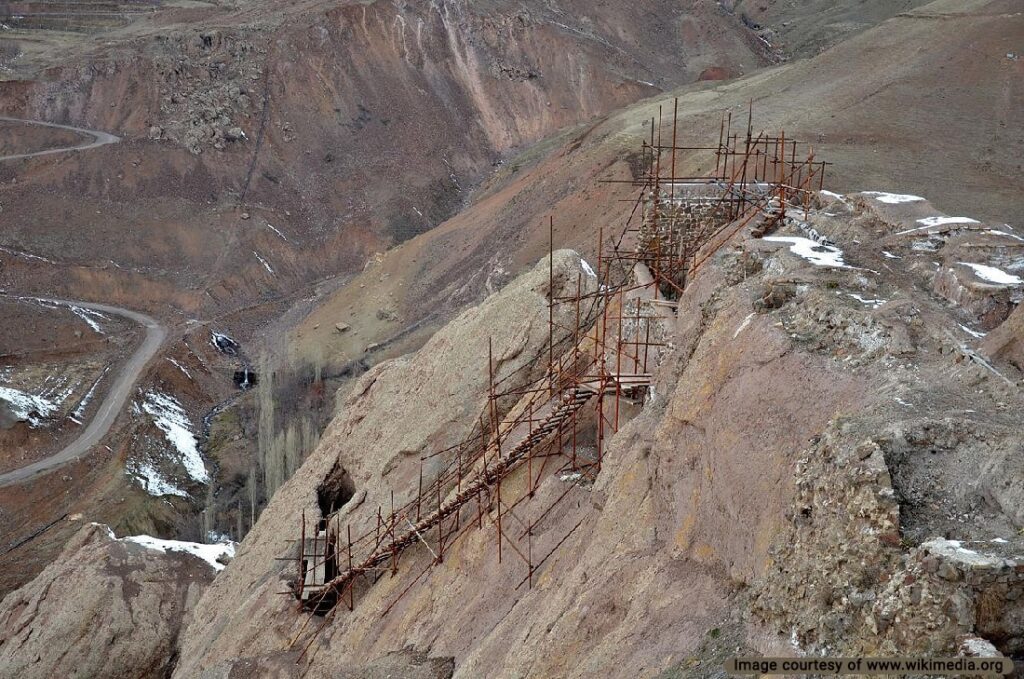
{"points": [[112, 404], [98, 138]]}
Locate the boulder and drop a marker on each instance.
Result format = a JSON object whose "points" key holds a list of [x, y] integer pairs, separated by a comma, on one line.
{"points": [[104, 608]]}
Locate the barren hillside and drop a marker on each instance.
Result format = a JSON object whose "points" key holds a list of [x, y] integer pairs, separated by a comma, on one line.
{"points": [[340, 214], [263, 149]]}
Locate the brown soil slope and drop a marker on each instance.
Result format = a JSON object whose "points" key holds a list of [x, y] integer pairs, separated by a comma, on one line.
{"points": [[347, 127], [926, 103]]}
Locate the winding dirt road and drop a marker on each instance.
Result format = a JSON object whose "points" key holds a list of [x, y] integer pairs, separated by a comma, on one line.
{"points": [[98, 138], [130, 372], [112, 403]]}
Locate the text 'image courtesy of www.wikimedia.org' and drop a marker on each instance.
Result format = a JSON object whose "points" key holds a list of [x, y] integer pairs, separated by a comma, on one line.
{"points": [[954, 666]]}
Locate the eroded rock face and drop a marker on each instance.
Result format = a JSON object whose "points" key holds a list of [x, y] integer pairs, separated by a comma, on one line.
{"points": [[106, 608], [783, 481], [400, 409]]}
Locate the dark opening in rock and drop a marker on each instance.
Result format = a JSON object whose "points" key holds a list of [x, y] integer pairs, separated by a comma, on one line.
{"points": [[337, 489]]}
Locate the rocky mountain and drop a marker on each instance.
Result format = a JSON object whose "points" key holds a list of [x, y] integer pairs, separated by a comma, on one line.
{"points": [[341, 214], [228, 198], [837, 524]]}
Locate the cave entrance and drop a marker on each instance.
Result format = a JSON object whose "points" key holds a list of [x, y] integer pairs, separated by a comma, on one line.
{"points": [[320, 556], [334, 491]]}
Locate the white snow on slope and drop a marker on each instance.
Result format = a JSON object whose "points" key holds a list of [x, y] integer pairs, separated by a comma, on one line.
{"points": [[80, 410], [180, 367], [994, 275], [972, 333], [892, 198], [1003, 233], [89, 316], [587, 269], [932, 222], [940, 220], [815, 253], [151, 480], [873, 303], [25, 255], [170, 418], [278, 232], [263, 262], [208, 553], [47, 401], [27, 407]]}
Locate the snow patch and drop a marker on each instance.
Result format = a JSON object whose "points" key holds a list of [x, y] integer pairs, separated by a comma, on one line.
{"points": [[278, 232], [84, 403], [151, 480], [28, 407], [972, 333], [263, 262], [873, 303], [889, 255], [89, 316], [954, 550], [892, 198], [1003, 233], [180, 367], [815, 253], [931, 222], [994, 275], [208, 553], [26, 255], [35, 408], [940, 220], [170, 418], [587, 269]]}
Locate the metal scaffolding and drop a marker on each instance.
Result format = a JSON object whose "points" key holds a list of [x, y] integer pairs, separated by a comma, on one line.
{"points": [[595, 369]]}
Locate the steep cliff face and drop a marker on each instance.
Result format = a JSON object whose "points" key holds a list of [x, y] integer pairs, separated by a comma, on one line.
{"points": [[779, 483], [439, 393]]}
